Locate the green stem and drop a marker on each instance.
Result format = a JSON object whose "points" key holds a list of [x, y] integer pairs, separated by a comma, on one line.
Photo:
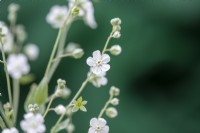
{"points": [[16, 96], [6, 72], [61, 56], [53, 52], [1, 62], [105, 106], [48, 107], [107, 42], [74, 98]]}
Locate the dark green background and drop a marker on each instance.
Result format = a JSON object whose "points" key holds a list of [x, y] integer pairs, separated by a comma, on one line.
{"points": [[158, 72]]}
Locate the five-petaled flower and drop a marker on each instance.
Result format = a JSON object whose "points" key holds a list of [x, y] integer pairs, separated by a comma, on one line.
{"points": [[79, 104], [98, 62], [98, 126]]}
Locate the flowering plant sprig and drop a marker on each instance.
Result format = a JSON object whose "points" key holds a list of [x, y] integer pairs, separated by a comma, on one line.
{"points": [[16, 57]]}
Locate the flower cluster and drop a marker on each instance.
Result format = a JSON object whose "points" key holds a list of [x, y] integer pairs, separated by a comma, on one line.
{"points": [[38, 103]]}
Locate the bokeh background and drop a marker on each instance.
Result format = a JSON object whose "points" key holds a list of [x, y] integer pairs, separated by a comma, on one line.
{"points": [[158, 71]]}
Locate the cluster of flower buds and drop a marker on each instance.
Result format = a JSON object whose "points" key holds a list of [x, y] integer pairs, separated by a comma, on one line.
{"points": [[13, 9], [116, 23], [112, 112], [8, 111], [61, 89], [33, 108]]}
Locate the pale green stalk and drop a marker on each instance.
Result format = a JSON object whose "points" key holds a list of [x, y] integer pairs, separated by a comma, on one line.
{"points": [[6, 72], [48, 107], [2, 124], [107, 42], [16, 96], [105, 106], [61, 56]]}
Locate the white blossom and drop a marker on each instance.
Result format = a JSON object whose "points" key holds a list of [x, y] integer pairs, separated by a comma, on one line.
{"points": [[60, 110], [17, 65], [116, 49], [86, 10], [98, 80], [7, 39], [98, 63], [32, 51], [33, 123], [11, 130], [98, 126], [111, 112], [57, 16]]}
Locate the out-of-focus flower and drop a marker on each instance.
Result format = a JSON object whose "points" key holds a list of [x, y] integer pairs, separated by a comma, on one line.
{"points": [[98, 80], [7, 40], [17, 65], [115, 50], [60, 110], [13, 7], [116, 21], [98, 63], [78, 53], [116, 34], [32, 51], [71, 47], [86, 10], [21, 33], [11, 130], [79, 104], [57, 16], [115, 101], [114, 91], [98, 126], [111, 112], [33, 123]]}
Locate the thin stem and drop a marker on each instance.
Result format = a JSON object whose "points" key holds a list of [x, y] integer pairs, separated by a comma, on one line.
{"points": [[61, 56], [1, 62], [6, 72], [74, 98], [16, 96], [105, 106], [53, 52], [48, 107], [107, 42]]}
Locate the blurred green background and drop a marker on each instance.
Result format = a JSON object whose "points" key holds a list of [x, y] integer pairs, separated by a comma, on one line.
{"points": [[158, 71]]}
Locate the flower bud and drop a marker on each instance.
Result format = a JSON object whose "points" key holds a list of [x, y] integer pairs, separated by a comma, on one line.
{"points": [[116, 21], [32, 51], [13, 7], [61, 83], [7, 106], [115, 101], [78, 53], [116, 28], [71, 47], [116, 50], [75, 11], [114, 91], [70, 128], [111, 112], [116, 34], [60, 110]]}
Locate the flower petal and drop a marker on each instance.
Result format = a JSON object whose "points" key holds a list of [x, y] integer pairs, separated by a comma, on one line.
{"points": [[105, 67], [96, 70], [93, 122], [83, 109], [96, 54], [90, 61], [105, 58]]}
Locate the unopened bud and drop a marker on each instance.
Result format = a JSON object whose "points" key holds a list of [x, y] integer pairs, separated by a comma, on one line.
{"points": [[78, 53], [114, 91], [115, 101], [111, 112], [116, 35], [116, 50], [116, 21], [60, 110]]}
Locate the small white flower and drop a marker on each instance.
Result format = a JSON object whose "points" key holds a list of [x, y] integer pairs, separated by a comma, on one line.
{"points": [[17, 65], [70, 128], [98, 62], [12, 130], [98, 126], [114, 91], [116, 34], [71, 47], [33, 123], [57, 16], [60, 110], [111, 112], [32, 51], [86, 10], [115, 101], [98, 80], [116, 49], [78, 53]]}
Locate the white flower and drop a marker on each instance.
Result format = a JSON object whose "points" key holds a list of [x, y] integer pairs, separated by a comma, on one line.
{"points": [[12, 130], [116, 49], [7, 39], [17, 65], [57, 16], [111, 112], [116, 34], [98, 126], [115, 101], [98, 62], [60, 110], [98, 80], [86, 10], [33, 123], [71, 47], [32, 51]]}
